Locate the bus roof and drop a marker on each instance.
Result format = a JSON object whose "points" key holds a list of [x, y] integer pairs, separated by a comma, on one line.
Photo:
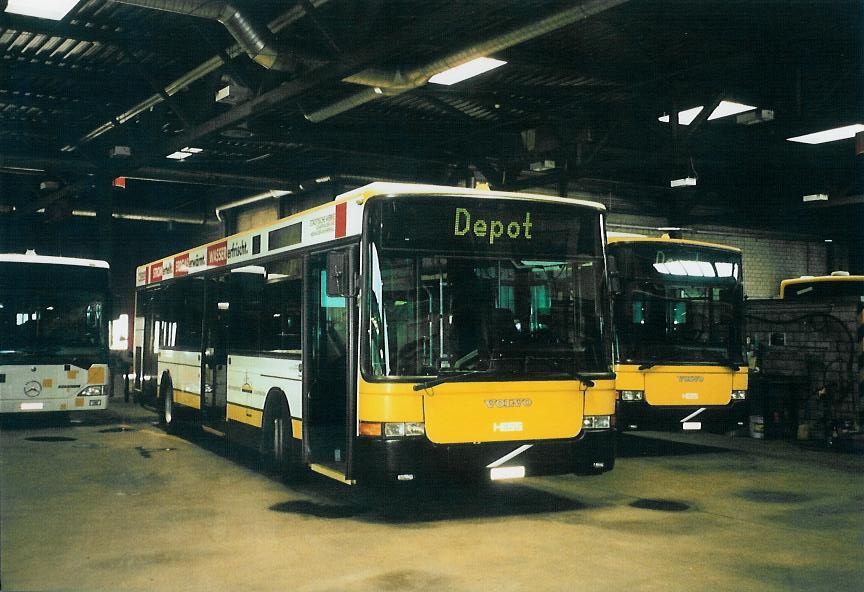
{"points": [[818, 279], [333, 220], [666, 239], [396, 189], [33, 258]]}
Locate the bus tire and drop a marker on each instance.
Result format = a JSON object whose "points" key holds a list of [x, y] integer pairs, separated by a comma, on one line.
{"points": [[279, 451], [168, 412]]}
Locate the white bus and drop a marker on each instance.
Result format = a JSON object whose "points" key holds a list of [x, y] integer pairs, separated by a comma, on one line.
{"points": [[53, 334], [397, 332]]}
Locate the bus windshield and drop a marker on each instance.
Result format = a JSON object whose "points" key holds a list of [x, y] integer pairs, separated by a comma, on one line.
{"points": [[515, 311], [52, 309], [679, 303]]}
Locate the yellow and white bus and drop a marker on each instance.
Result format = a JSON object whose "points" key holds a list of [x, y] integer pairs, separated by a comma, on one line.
{"points": [[398, 332], [53, 334], [840, 285], [679, 326]]}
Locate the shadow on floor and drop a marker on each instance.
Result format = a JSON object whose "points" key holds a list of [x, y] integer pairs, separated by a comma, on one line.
{"points": [[630, 446]]}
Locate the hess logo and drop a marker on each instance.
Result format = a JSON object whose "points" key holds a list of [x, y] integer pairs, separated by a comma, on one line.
{"points": [[691, 379], [498, 403]]}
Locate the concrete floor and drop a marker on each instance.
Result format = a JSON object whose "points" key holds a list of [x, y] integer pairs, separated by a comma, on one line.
{"points": [[142, 510]]}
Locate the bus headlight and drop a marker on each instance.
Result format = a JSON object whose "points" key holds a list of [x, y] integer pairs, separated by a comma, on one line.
{"points": [[597, 422], [632, 395], [398, 429], [739, 395], [94, 390], [392, 429], [415, 429]]}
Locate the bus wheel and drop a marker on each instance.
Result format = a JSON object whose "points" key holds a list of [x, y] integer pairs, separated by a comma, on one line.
{"points": [[167, 411], [278, 449]]}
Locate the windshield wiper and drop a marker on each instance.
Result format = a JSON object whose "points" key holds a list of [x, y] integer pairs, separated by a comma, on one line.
{"points": [[455, 377], [728, 363], [581, 378], [466, 375]]}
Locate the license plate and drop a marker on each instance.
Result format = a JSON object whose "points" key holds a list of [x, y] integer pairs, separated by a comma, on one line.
{"points": [[692, 425], [507, 473]]}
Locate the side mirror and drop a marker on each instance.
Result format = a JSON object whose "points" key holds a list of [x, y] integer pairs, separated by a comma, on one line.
{"points": [[338, 274], [614, 276]]}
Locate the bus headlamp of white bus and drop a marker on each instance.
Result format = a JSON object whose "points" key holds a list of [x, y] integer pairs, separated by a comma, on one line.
{"points": [[94, 390], [632, 395], [739, 395], [392, 429], [597, 422]]}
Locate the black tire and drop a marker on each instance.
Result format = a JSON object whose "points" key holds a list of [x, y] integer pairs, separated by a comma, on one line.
{"points": [[168, 412], [279, 451]]}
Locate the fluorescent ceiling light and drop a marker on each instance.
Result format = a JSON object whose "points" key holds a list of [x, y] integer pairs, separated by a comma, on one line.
{"points": [[685, 117], [831, 135], [466, 70], [815, 197], [179, 155], [184, 153], [727, 108], [46, 9], [685, 182]]}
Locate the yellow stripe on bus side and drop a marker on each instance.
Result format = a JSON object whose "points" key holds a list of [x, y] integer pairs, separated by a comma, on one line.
{"points": [[245, 415], [188, 399], [297, 427]]}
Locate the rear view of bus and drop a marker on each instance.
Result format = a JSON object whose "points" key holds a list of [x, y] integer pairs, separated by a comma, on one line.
{"points": [[839, 286], [53, 334], [679, 318]]}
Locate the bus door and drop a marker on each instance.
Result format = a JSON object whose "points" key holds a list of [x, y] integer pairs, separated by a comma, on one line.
{"points": [[214, 361], [328, 409], [146, 361]]}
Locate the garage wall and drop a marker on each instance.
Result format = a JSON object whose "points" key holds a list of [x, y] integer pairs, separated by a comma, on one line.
{"points": [[258, 215], [769, 259]]}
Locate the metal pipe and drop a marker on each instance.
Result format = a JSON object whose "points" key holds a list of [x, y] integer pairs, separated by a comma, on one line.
{"points": [[149, 216], [257, 41], [269, 194], [396, 82], [193, 75]]}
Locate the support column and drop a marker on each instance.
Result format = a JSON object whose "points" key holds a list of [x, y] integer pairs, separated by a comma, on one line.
{"points": [[103, 194]]}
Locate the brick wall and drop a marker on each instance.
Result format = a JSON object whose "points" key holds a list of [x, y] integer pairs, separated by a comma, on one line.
{"points": [[821, 340], [769, 259]]}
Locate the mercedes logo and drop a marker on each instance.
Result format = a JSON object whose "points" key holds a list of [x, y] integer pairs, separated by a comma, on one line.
{"points": [[32, 388]]}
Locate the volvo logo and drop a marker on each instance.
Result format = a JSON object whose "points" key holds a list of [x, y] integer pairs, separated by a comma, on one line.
{"points": [[691, 379], [493, 403], [32, 388]]}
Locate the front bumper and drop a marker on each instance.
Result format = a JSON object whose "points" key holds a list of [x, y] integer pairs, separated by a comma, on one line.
{"points": [[377, 459], [52, 405], [633, 415]]}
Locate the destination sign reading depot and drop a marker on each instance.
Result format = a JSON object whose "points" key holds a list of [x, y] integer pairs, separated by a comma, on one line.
{"points": [[467, 224]]}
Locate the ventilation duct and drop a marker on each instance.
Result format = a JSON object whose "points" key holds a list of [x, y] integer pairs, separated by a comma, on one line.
{"points": [[255, 39], [395, 82]]}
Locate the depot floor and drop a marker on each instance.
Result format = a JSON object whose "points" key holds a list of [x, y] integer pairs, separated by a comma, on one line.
{"points": [[114, 503]]}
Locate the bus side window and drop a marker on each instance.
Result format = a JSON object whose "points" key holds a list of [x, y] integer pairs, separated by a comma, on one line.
{"points": [[280, 322]]}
